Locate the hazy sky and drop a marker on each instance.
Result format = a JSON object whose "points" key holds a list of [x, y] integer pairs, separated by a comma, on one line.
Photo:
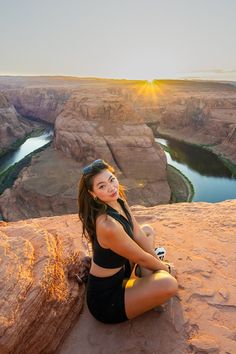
{"points": [[134, 39]]}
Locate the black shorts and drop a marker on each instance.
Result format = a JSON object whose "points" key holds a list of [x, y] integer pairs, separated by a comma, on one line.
{"points": [[106, 296]]}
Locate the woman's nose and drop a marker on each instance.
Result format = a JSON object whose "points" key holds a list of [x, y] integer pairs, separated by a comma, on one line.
{"points": [[111, 188]]}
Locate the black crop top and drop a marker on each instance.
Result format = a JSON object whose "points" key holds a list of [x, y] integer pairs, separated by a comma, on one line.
{"points": [[105, 257]]}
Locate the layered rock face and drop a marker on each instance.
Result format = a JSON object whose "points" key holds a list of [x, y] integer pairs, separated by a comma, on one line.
{"points": [[195, 111], [40, 103], [101, 124], [12, 126], [40, 300], [198, 112], [227, 146], [92, 125], [108, 119], [48, 187], [201, 113]]}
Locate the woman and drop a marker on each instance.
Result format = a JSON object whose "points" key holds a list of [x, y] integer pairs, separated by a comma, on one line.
{"points": [[118, 243]]}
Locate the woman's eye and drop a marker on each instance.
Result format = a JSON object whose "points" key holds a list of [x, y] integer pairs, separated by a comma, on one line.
{"points": [[101, 187]]}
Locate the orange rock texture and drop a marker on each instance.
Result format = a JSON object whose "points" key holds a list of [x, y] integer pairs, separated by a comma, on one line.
{"points": [[39, 303], [48, 187], [99, 123], [200, 112], [39, 299], [115, 120], [39, 102]]}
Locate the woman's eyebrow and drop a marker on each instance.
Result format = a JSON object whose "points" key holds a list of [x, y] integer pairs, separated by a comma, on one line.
{"points": [[104, 181]]}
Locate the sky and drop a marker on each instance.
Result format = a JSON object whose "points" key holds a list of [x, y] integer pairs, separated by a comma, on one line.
{"points": [[127, 39]]}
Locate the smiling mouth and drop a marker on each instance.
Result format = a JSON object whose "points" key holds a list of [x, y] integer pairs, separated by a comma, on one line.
{"points": [[113, 195]]}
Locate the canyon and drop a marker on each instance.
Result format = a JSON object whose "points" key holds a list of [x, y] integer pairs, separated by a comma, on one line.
{"points": [[43, 307], [115, 120], [12, 125]]}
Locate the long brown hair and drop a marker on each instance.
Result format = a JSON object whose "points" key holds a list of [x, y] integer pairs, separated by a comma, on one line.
{"points": [[90, 208]]}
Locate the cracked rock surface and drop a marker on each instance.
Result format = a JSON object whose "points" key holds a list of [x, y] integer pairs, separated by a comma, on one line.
{"points": [[43, 308]]}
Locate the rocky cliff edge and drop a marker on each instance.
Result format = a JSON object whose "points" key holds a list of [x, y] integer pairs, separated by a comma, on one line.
{"points": [[42, 305]]}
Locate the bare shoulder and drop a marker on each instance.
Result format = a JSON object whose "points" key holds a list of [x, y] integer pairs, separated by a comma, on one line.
{"points": [[106, 226]]}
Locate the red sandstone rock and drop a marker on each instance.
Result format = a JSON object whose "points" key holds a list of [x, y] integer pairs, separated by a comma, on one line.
{"points": [[195, 111], [200, 240], [204, 344], [40, 303], [107, 118], [48, 187], [39, 299], [38, 102], [12, 126], [84, 132], [95, 124]]}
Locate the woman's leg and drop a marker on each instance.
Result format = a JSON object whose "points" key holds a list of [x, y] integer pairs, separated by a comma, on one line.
{"points": [[144, 294], [149, 232], [150, 291]]}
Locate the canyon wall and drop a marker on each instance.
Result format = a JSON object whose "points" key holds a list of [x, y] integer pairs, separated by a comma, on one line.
{"points": [[47, 187], [93, 124], [38, 103], [108, 118], [100, 123], [196, 111], [12, 126]]}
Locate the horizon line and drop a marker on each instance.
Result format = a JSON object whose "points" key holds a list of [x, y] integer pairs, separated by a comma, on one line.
{"points": [[182, 78]]}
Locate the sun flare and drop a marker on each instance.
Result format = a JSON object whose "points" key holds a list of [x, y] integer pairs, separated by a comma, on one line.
{"points": [[150, 89]]}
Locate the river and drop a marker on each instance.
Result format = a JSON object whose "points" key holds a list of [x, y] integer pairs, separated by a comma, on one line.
{"points": [[211, 179], [30, 145]]}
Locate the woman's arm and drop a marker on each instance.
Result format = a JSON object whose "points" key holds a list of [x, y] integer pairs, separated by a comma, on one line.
{"points": [[112, 235], [139, 235]]}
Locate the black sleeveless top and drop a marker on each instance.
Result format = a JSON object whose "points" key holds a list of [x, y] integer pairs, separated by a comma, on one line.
{"points": [[105, 257]]}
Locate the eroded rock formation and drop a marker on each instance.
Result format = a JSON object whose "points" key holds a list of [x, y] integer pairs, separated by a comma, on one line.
{"points": [[93, 124], [195, 111], [101, 123], [39, 303], [48, 187], [108, 119], [12, 126], [40, 102], [199, 113], [39, 298]]}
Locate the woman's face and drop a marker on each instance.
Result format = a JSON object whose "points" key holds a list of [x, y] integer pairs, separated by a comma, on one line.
{"points": [[105, 186]]}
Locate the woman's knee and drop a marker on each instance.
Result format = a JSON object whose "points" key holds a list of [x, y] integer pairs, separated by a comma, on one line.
{"points": [[148, 229], [168, 284], [171, 286]]}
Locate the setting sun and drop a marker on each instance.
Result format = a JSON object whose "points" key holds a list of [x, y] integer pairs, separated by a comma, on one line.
{"points": [[150, 89]]}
